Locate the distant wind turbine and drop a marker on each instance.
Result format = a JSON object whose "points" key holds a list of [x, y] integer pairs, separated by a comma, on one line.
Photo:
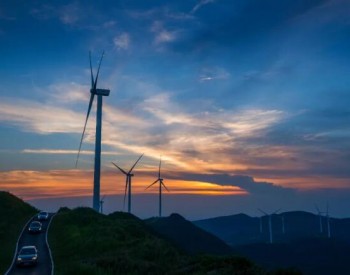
{"points": [[97, 169], [320, 218], [328, 226], [128, 182], [160, 180], [283, 225], [270, 222], [101, 204]]}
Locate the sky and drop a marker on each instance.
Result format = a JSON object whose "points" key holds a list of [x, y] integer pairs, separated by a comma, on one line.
{"points": [[246, 101]]}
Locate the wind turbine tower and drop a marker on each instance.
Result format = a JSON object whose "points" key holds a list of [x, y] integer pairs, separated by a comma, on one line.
{"points": [[328, 226], [97, 169], [320, 218], [128, 175], [101, 204], [160, 180], [270, 222], [283, 225]]}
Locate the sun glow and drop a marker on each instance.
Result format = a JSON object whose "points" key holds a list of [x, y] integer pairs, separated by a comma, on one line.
{"points": [[68, 183]]}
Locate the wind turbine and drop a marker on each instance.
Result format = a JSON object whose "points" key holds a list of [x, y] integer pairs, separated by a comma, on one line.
{"points": [[160, 180], [97, 169], [320, 217], [328, 226], [283, 225], [128, 182], [270, 222], [101, 204]]}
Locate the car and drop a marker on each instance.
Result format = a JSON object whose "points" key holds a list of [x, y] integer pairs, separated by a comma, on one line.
{"points": [[35, 227], [28, 255], [43, 216]]}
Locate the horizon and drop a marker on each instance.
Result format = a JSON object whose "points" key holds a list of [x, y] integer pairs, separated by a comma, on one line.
{"points": [[246, 102]]}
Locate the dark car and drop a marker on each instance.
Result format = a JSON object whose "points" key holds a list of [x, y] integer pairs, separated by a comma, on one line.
{"points": [[28, 255], [43, 216], [35, 227]]}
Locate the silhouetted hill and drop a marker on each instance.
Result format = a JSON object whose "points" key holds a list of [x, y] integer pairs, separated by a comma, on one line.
{"points": [[241, 229], [86, 242], [234, 229], [313, 256], [302, 244], [187, 236], [14, 214]]}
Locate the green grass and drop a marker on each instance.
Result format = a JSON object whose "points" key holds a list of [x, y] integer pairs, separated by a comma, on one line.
{"points": [[85, 242], [14, 214]]}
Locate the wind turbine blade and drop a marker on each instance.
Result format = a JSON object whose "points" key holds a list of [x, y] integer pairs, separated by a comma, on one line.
{"points": [[98, 71], [126, 187], [92, 75], [121, 170], [263, 212], [135, 164], [86, 120], [165, 186], [152, 184], [160, 163]]}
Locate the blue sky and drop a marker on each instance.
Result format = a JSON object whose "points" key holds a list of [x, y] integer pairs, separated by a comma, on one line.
{"points": [[221, 89]]}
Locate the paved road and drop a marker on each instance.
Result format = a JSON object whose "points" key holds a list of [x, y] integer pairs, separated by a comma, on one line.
{"points": [[39, 240]]}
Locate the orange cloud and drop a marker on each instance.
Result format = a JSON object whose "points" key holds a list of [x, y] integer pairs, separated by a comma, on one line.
{"points": [[64, 183]]}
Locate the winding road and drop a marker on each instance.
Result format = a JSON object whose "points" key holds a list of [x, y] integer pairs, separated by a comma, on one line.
{"points": [[45, 265]]}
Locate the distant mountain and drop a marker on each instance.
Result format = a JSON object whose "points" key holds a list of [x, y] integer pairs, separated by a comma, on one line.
{"points": [[187, 236], [14, 214], [302, 245], [234, 229], [241, 229]]}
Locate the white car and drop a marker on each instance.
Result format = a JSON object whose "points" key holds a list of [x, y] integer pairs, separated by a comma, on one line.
{"points": [[28, 255], [43, 216]]}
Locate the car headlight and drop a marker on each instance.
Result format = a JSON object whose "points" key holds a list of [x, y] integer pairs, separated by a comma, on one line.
{"points": [[19, 259], [34, 258]]}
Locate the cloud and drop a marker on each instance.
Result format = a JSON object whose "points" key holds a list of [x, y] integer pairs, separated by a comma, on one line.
{"points": [[246, 183], [200, 4], [215, 73], [38, 117], [65, 152], [70, 14], [122, 41], [161, 34], [32, 184]]}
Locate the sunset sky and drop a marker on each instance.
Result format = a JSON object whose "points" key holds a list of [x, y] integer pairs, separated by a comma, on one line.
{"points": [[246, 101]]}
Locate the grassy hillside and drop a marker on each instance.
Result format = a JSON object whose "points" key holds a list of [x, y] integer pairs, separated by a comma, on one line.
{"points": [[14, 215], [85, 242]]}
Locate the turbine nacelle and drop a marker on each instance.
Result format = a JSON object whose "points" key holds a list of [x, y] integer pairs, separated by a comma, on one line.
{"points": [[103, 92]]}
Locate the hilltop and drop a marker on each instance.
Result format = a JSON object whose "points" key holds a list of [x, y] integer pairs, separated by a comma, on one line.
{"points": [[185, 235], [86, 242], [242, 229], [14, 214]]}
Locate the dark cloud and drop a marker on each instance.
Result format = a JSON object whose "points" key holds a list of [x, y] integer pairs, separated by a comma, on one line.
{"points": [[245, 182]]}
